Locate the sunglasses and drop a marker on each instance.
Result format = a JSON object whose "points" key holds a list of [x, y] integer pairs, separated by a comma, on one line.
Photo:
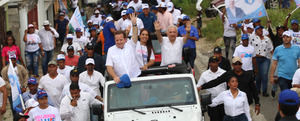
{"points": [[237, 63]]}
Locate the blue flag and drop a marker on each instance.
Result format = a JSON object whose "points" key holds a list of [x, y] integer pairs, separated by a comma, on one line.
{"points": [[239, 10]]}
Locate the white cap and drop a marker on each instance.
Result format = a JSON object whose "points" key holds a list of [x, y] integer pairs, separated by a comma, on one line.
{"points": [[30, 26], [144, 6], [97, 11], [60, 57], [12, 55], [250, 25], [46, 23], [108, 19], [162, 5], [170, 6], [182, 15], [123, 12], [89, 61], [31, 103], [98, 6], [95, 22], [69, 36], [287, 33], [89, 21]]}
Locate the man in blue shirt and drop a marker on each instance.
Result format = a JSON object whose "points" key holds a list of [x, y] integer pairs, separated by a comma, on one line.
{"points": [[189, 49], [148, 18], [108, 32], [286, 57]]}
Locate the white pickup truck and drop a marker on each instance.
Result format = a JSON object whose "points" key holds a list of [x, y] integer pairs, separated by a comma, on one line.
{"points": [[171, 97]]}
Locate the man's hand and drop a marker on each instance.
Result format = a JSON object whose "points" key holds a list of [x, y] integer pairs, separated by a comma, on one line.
{"points": [[23, 89], [199, 88], [3, 109], [117, 80], [157, 26], [43, 54], [26, 31], [74, 102], [133, 18], [257, 109], [144, 68]]}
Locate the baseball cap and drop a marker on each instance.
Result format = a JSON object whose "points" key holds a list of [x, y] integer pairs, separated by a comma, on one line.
{"points": [[98, 6], [12, 56], [74, 72], [89, 21], [181, 16], [77, 30], [125, 3], [213, 59], [60, 57], [288, 97], [186, 18], [287, 33], [236, 59], [52, 63], [125, 81], [162, 5], [90, 46], [294, 21], [153, 7], [217, 49], [70, 47], [258, 27], [123, 13], [97, 12], [95, 23], [31, 103], [145, 6], [250, 25], [32, 80], [41, 93], [46, 23], [140, 10], [129, 11], [61, 14], [30, 26], [255, 20], [170, 6], [89, 61], [69, 36], [20, 116], [93, 28], [108, 19], [245, 36]]}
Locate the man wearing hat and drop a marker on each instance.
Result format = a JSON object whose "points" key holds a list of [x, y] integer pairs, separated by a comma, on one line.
{"points": [[294, 30], [61, 26], [288, 105], [88, 27], [62, 68], [223, 62], [121, 20], [246, 84], [164, 17], [3, 98], [148, 18], [108, 32], [136, 4], [33, 47], [127, 24], [175, 12], [79, 38], [90, 53], [189, 48], [70, 58], [96, 17], [47, 35], [154, 9], [91, 77], [285, 59], [215, 113], [150, 2], [76, 46], [247, 53], [53, 83], [257, 22], [44, 112]]}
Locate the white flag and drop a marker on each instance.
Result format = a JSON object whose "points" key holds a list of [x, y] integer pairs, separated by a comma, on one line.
{"points": [[76, 20]]}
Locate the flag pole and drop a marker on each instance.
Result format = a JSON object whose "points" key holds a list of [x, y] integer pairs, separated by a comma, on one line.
{"points": [[219, 11]]}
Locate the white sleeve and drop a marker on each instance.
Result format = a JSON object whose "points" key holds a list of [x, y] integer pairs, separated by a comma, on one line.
{"points": [[235, 54], [246, 108], [66, 110], [201, 81], [38, 39], [56, 35], [2, 82], [109, 61], [141, 24], [57, 115], [41, 86], [102, 80], [218, 100], [63, 48], [296, 77]]}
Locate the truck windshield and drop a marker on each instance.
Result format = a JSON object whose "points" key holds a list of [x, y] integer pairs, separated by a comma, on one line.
{"points": [[154, 93]]}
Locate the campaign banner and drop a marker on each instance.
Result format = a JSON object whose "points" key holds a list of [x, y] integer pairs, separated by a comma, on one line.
{"points": [[15, 88], [76, 20], [239, 10]]}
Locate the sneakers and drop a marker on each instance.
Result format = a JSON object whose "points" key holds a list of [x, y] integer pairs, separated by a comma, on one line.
{"points": [[273, 93]]}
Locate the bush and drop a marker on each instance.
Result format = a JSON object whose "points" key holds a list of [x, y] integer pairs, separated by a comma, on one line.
{"points": [[213, 29], [188, 6]]}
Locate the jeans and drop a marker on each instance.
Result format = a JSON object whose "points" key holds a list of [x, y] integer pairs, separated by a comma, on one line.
{"points": [[46, 59], [216, 113], [263, 65], [32, 61], [229, 42], [284, 83], [241, 117], [189, 55]]}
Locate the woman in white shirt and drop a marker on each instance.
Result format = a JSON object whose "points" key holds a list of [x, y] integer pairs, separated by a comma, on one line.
{"points": [[235, 102], [144, 49], [263, 48]]}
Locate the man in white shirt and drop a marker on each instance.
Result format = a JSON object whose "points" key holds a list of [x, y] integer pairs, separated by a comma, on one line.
{"points": [[47, 36], [127, 24], [53, 83], [76, 46], [246, 53], [215, 113], [136, 4], [296, 79], [44, 112], [175, 12], [80, 39], [3, 98], [171, 46], [76, 106], [121, 58], [120, 22], [92, 77], [96, 17], [62, 68]]}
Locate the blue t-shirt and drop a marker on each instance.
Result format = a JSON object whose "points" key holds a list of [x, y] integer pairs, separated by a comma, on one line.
{"points": [[108, 36], [193, 33], [62, 26], [148, 21], [287, 60]]}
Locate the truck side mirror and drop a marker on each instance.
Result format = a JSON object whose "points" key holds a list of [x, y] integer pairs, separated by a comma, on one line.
{"points": [[205, 99]]}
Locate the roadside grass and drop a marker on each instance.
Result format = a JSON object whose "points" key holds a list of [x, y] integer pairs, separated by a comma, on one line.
{"points": [[188, 6]]}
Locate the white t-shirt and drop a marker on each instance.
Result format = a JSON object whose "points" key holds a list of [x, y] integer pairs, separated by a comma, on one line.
{"points": [[83, 88], [75, 45], [47, 38], [127, 23], [82, 41], [74, 3], [296, 37], [123, 60], [142, 54], [66, 72], [136, 6], [171, 53], [98, 19], [176, 14], [119, 24], [93, 81], [2, 83], [32, 43], [296, 77], [48, 114], [53, 87], [246, 54], [229, 30]]}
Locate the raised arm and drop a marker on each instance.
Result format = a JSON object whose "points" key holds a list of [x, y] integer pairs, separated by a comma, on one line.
{"points": [[157, 29], [133, 19], [285, 24]]}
